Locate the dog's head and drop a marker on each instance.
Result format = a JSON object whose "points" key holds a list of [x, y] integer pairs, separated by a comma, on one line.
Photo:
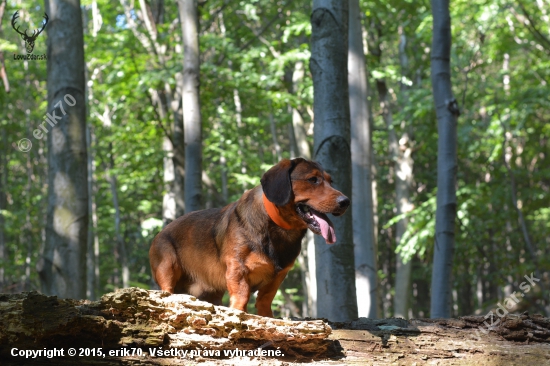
{"points": [[303, 194]]}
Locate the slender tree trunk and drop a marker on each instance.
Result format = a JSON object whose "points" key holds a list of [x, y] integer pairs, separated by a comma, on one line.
{"points": [[363, 220], [273, 126], [91, 259], [328, 64], [239, 119], [303, 148], [3, 73], [225, 193], [373, 172], [93, 246], [374, 187], [178, 146], [446, 108], [26, 233], [120, 243], [62, 267], [97, 19], [306, 258], [293, 145], [91, 285], [388, 119], [3, 187], [96, 249], [191, 105], [169, 199], [402, 156]]}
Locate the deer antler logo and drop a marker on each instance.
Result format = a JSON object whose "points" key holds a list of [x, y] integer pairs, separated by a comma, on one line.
{"points": [[29, 40]]}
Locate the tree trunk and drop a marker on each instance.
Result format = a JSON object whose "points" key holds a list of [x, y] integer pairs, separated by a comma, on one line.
{"points": [[178, 145], [191, 105], [303, 148], [147, 322], [328, 64], [169, 199], [446, 108], [363, 221], [402, 156], [3, 188], [306, 258], [90, 258], [3, 163], [3, 73], [26, 232], [239, 120], [120, 242], [273, 126], [62, 267]]}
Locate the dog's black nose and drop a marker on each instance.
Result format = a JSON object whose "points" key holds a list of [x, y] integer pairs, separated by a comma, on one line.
{"points": [[343, 202]]}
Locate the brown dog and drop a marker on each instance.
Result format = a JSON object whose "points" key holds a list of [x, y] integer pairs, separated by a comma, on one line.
{"points": [[249, 245]]}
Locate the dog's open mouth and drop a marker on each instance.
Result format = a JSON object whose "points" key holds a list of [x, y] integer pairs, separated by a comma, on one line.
{"points": [[317, 222]]}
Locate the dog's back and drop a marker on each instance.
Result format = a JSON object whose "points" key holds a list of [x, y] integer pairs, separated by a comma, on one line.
{"points": [[184, 256]]}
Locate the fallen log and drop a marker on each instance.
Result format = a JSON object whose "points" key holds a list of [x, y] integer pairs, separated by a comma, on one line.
{"points": [[151, 321], [136, 326], [513, 340]]}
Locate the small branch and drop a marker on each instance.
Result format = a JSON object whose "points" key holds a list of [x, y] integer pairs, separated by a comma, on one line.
{"points": [[530, 25]]}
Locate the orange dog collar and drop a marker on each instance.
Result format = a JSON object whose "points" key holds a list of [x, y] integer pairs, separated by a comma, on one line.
{"points": [[274, 214]]}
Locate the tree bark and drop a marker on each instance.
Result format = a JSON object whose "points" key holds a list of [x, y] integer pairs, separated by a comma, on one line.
{"points": [[306, 258], [90, 257], [273, 126], [300, 134], [3, 206], [366, 279], [328, 65], [169, 199], [239, 120], [191, 105], [143, 321], [178, 144], [446, 109], [120, 245], [3, 73], [62, 266], [402, 156], [92, 245]]}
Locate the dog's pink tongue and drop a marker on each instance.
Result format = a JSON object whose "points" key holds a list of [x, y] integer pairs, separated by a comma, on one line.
{"points": [[327, 229]]}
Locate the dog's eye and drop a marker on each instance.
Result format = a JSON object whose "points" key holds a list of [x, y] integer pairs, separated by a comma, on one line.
{"points": [[313, 180]]}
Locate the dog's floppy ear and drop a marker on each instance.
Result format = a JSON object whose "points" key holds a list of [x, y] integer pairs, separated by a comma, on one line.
{"points": [[276, 182]]}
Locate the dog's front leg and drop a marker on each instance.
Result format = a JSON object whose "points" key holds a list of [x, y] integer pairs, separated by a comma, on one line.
{"points": [[267, 293], [237, 286]]}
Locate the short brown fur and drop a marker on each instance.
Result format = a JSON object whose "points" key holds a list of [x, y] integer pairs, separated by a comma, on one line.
{"points": [[239, 248]]}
